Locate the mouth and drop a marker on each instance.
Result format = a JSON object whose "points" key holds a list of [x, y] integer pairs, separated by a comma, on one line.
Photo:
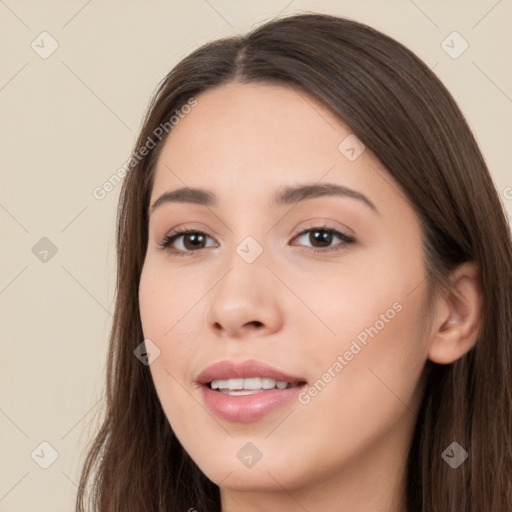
{"points": [[248, 375], [250, 386], [247, 391]]}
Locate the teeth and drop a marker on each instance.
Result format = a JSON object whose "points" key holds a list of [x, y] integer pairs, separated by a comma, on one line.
{"points": [[235, 383], [268, 383], [231, 392], [220, 384], [253, 384]]}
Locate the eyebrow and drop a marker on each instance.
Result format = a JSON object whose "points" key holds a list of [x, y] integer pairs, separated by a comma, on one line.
{"points": [[284, 196]]}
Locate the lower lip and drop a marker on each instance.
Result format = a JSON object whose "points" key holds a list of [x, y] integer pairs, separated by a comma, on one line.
{"points": [[247, 408]]}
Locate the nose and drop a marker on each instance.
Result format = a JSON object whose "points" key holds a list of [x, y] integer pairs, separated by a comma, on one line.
{"points": [[245, 301]]}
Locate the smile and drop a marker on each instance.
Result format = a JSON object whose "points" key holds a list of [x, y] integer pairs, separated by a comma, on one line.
{"points": [[246, 391], [249, 386]]}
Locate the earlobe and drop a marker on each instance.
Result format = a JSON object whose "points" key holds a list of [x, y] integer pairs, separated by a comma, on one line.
{"points": [[459, 316]]}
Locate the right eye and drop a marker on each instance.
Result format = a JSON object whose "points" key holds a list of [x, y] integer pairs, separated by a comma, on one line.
{"points": [[192, 241]]}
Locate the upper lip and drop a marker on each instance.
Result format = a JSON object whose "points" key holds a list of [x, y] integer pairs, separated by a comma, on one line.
{"points": [[241, 370]]}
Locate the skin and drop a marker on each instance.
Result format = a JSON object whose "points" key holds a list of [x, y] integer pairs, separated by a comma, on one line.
{"points": [[346, 449]]}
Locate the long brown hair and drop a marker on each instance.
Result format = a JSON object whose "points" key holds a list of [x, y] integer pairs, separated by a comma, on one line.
{"points": [[401, 111]]}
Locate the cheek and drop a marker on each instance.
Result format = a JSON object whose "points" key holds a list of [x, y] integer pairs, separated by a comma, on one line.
{"points": [[382, 340], [362, 391], [166, 298], [359, 300], [170, 306], [370, 370], [163, 304], [370, 345]]}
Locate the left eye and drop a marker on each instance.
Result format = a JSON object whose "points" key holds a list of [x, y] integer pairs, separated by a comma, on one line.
{"points": [[193, 240], [324, 236]]}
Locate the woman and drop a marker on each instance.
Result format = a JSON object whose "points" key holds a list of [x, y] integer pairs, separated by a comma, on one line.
{"points": [[314, 289]]}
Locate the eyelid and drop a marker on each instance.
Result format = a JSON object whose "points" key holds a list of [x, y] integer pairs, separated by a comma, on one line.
{"points": [[176, 233], [324, 223], [346, 240], [345, 235]]}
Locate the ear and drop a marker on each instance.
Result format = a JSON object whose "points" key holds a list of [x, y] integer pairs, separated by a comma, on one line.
{"points": [[458, 317]]}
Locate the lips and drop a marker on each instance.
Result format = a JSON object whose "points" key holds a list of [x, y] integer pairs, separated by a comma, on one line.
{"points": [[225, 370], [256, 400]]}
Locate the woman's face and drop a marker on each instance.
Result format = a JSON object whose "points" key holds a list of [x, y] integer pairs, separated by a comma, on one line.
{"points": [[327, 289]]}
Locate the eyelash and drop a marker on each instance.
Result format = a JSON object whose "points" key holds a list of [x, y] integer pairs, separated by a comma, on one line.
{"points": [[169, 239]]}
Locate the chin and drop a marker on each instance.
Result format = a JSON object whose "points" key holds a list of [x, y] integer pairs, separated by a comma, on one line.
{"points": [[262, 476], [250, 480]]}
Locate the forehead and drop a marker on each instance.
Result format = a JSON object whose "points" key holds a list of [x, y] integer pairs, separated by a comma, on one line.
{"points": [[253, 114], [248, 140]]}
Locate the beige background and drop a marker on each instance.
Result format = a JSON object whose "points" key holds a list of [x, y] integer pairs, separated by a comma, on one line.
{"points": [[69, 122]]}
